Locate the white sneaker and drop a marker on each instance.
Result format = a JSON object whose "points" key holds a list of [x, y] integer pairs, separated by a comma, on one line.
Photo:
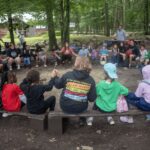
{"points": [[89, 121], [110, 120], [6, 114], [37, 66], [18, 67], [45, 65], [10, 68], [148, 117], [126, 119]]}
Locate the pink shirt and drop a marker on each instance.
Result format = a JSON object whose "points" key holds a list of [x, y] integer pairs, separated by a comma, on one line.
{"points": [[143, 90]]}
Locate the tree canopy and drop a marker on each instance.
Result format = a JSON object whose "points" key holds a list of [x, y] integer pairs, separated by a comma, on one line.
{"points": [[88, 16]]}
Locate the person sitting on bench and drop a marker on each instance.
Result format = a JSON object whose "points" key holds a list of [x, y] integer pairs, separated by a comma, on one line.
{"points": [[141, 98], [13, 98], [13, 55], [35, 93], [78, 87], [108, 92]]}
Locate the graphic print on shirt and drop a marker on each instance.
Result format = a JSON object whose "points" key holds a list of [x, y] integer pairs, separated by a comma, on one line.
{"points": [[76, 90]]}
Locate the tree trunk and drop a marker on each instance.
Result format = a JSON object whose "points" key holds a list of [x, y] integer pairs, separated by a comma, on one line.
{"points": [[62, 21], [10, 28], [107, 33], [50, 22], [10, 23], [146, 17], [67, 22]]}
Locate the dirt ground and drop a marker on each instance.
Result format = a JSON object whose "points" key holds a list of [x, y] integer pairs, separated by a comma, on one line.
{"points": [[16, 135]]}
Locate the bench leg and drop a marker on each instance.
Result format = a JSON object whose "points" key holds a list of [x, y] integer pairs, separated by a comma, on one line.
{"points": [[38, 123], [55, 125]]}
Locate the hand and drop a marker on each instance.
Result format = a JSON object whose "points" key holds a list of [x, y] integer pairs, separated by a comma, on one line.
{"points": [[54, 73]]}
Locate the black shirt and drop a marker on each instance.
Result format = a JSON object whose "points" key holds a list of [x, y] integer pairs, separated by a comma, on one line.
{"points": [[13, 52], [34, 94], [78, 89]]}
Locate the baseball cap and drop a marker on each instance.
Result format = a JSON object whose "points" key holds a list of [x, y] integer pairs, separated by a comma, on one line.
{"points": [[111, 70]]}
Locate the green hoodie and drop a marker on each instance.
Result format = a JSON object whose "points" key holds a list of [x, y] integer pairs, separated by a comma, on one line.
{"points": [[108, 93], [148, 55]]}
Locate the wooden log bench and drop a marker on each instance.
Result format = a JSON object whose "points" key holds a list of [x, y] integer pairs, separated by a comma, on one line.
{"points": [[110, 43], [56, 124], [38, 122]]}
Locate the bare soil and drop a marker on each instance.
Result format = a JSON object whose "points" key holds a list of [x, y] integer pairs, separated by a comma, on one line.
{"points": [[15, 134]]}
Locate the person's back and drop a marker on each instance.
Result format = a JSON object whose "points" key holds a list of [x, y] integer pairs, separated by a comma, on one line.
{"points": [[78, 87], [109, 90], [35, 93], [12, 96], [143, 89], [108, 93], [141, 98]]}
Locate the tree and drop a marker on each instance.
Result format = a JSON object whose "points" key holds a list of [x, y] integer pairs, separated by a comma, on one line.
{"points": [[107, 32], [50, 23], [64, 20], [10, 22], [146, 17]]}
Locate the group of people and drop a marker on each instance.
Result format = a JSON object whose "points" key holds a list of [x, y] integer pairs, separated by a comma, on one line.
{"points": [[78, 89], [12, 55], [122, 53]]}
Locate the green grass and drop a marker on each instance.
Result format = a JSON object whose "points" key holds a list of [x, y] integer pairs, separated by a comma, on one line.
{"points": [[79, 38]]}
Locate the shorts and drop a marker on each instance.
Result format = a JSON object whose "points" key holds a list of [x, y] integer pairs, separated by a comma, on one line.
{"points": [[42, 57], [129, 52]]}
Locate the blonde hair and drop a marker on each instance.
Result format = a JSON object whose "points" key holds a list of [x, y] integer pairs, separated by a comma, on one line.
{"points": [[83, 63]]}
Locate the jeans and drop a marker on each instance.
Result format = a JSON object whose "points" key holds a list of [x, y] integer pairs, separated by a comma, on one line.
{"points": [[140, 66], [139, 102], [26, 61]]}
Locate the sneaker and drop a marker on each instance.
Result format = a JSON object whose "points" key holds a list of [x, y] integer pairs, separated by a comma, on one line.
{"points": [[6, 114], [18, 67], [126, 119], [89, 121], [110, 120], [148, 117], [45, 65], [37, 66], [129, 65], [82, 121], [10, 68], [137, 67]]}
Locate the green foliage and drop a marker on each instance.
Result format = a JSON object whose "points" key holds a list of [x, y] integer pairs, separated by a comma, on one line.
{"points": [[88, 15]]}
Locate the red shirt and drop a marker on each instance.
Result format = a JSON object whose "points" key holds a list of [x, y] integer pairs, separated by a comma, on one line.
{"points": [[66, 51], [10, 97]]}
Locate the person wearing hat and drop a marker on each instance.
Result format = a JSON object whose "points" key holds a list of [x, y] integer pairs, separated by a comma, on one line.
{"points": [[141, 98], [108, 91]]}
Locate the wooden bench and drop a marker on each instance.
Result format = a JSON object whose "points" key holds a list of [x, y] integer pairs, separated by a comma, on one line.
{"points": [[55, 119], [112, 42], [38, 122]]}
